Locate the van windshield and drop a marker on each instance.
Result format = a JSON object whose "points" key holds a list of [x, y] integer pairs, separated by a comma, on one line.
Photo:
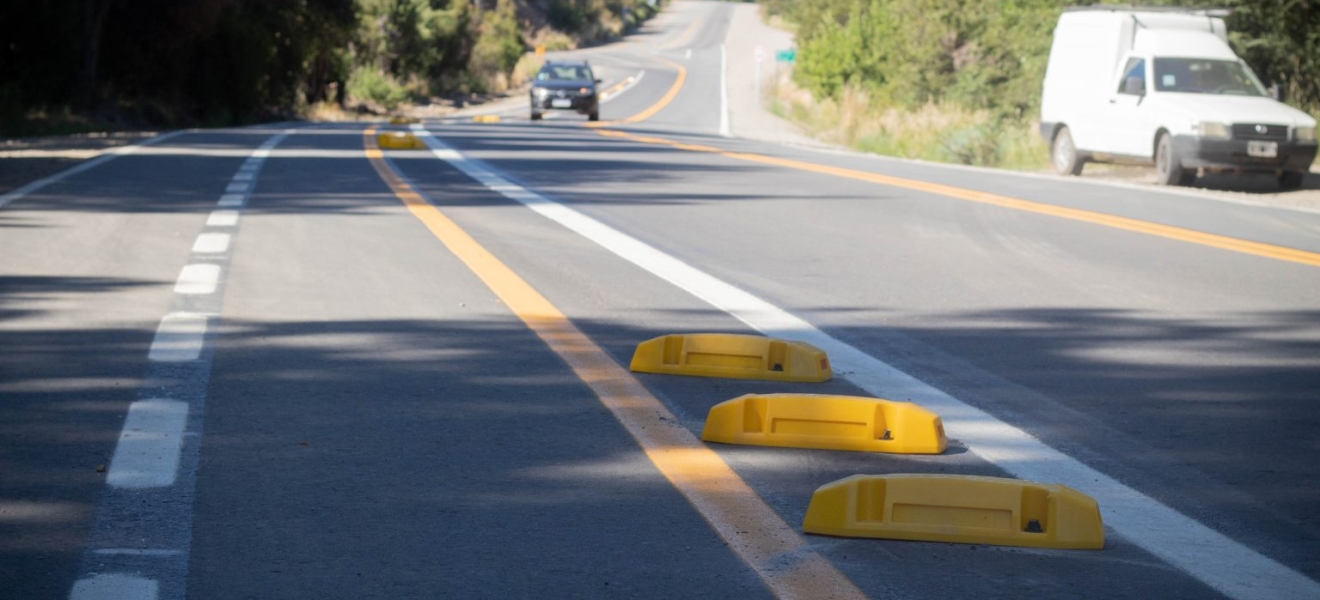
{"points": [[1205, 76]]}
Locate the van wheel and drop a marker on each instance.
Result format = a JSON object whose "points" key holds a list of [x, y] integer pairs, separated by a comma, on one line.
{"points": [[536, 116], [1291, 180], [1168, 166], [594, 116], [1064, 154]]}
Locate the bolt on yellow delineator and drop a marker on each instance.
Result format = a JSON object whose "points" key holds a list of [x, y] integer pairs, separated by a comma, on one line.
{"points": [[826, 422], [956, 508], [733, 356], [399, 140]]}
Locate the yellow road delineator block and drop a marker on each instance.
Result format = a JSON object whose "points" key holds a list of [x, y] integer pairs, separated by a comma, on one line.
{"points": [[399, 140], [956, 508], [486, 119], [403, 120], [732, 355], [826, 422]]}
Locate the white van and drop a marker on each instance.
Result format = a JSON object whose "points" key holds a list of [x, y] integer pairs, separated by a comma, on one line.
{"points": [[1162, 86]]}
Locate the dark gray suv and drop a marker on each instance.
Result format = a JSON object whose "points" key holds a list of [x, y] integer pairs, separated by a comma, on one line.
{"points": [[565, 85]]}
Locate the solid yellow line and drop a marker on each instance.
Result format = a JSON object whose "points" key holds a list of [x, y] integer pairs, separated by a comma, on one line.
{"points": [[778, 554], [1074, 214], [659, 104]]}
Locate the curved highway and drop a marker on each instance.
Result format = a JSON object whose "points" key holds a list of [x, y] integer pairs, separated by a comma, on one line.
{"points": [[279, 362]]}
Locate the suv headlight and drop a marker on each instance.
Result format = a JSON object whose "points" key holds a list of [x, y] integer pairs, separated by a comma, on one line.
{"points": [[1304, 134], [540, 92], [1211, 130]]}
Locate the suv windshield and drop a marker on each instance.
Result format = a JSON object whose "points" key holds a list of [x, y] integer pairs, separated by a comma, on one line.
{"points": [[564, 73], [1205, 76]]}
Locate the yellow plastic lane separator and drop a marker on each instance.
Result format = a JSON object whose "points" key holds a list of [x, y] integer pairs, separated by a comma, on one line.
{"points": [[774, 550], [1074, 214], [827, 423], [399, 140], [731, 355], [659, 105], [956, 508], [486, 119]]}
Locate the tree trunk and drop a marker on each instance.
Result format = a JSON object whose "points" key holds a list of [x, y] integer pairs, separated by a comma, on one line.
{"points": [[94, 15]]}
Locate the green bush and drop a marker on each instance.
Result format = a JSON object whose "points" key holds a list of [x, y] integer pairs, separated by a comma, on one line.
{"points": [[368, 84]]}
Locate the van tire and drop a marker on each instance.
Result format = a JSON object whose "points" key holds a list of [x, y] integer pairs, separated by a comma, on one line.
{"points": [[1168, 165], [1063, 153], [1291, 180]]}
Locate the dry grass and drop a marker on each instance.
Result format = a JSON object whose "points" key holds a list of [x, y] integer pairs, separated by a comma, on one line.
{"points": [[935, 132]]}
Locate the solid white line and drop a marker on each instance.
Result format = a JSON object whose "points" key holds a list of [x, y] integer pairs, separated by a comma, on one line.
{"points": [[724, 92], [114, 586], [137, 552], [231, 200], [179, 338], [1226, 565], [108, 156], [211, 243], [147, 455], [198, 279], [222, 218]]}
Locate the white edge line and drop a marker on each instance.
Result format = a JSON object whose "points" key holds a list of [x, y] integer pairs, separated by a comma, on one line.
{"points": [[1212, 557], [105, 157], [724, 92], [1196, 193]]}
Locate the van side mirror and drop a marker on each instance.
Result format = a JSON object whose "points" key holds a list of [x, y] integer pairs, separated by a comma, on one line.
{"points": [[1135, 86], [1276, 92]]}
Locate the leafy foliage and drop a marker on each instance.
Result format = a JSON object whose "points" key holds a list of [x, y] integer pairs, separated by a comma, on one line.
{"points": [[991, 54], [168, 62]]}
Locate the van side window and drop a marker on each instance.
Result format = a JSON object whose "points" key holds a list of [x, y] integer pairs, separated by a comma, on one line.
{"points": [[1134, 77]]}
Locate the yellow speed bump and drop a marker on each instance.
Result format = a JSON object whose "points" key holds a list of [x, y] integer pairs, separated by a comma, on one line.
{"points": [[954, 508], [826, 422], [403, 120], [398, 140], [732, 355], [486, 119]]}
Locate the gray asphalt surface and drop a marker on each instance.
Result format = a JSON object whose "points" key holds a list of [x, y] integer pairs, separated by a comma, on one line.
{"points": [[379, 425]]}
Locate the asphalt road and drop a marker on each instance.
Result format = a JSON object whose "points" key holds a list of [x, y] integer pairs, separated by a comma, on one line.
{"points": [[319, 387]]}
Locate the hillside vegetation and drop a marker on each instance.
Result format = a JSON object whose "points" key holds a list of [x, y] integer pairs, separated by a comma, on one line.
{"points": [[959, 80], [77, 64]]}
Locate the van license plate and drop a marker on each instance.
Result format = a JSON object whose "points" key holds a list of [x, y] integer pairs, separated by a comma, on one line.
{"points": [[566, 103], [1263, 149]]}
